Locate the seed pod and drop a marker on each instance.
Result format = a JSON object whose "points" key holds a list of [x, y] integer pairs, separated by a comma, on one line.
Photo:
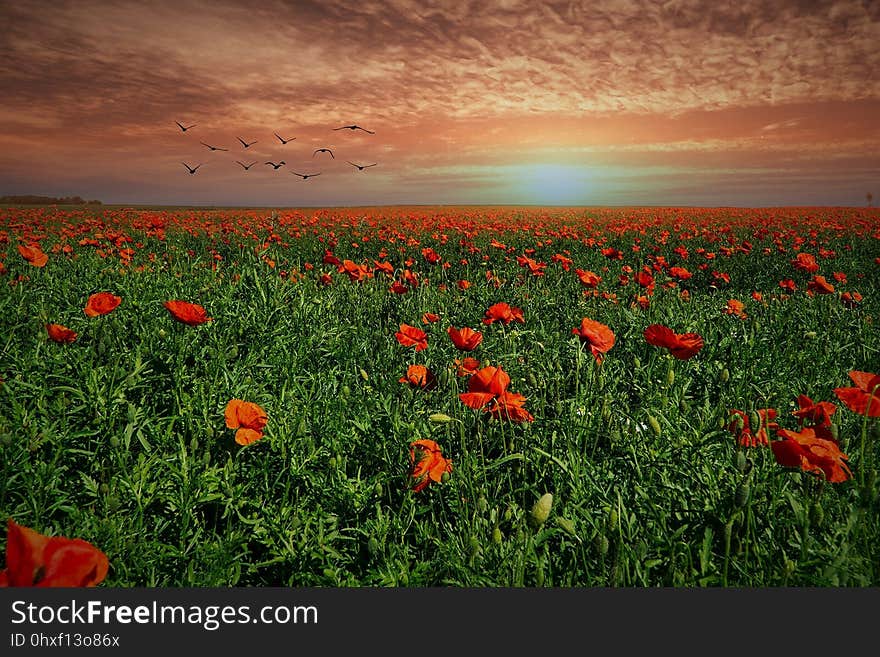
{"points": [[114, 442], [444, 477], [482, 504], [541, 510], [754, 421], [364, 375], [533, 381], [655, 425], [612, 520], [443, 377], [474, 548], [194, 444], [567, 526], [346, 391], [601, 544], [835, 431], [637, 363], [373, 546], [497, 537], [670, 376], [724, 377], [740, 460], [439, 418]]}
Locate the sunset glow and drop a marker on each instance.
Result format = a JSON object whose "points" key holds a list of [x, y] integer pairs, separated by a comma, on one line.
{"points": [[508, 102]]}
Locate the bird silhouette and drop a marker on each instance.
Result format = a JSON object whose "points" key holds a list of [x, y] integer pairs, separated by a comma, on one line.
{"points": [[277, 166], [355, 127], [282, 139], [361, 167], [245, 143], [323, 150], [306, 176], [191, 169], [246, 166], [184, 128], [213, 148]]}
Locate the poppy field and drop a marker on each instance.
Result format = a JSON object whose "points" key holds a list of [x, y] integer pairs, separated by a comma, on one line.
{"points": [[440, 396]]}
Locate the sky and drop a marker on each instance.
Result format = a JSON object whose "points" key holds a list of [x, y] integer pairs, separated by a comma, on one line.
{"points": [[516, 102]]}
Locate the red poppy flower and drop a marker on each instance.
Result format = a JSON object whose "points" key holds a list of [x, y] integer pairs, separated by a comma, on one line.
{"points": [[60, 334], [735, 307], [326, 279], [810, 452], [34, 255], [248, 418], [427, 464], [863, 399], [467, 366], [33, 559], [818, 285], [788, 285], [510, 406], [411, 336], [398, 288], [484, 385], [418, 376], [680, 345], [191, 314], [430, 318], [806, 262], [588, 278], [101, 303], [680, 273], [746, 435], [851, 299], [598, 335], [502, 312], [465, 339], [817, 414]]}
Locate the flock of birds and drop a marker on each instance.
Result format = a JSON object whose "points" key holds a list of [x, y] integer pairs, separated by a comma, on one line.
{"points": [[280, 163]]}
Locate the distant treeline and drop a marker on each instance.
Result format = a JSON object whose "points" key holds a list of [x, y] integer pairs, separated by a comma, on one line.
{"points": [[30, 199]]}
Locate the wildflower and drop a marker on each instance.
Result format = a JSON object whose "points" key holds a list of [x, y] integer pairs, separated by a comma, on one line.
{"points": [[788, 285], [487, 389], [806, 262], [247, 418], [191, 314], [60, 334], [427, 464], [597, 335], [819, 414], [810, 452], [851, 299], [502, 312], [33, 559], [735, 307], [430, 318], [411, 336], [864, 398], [418, 376], [818, 285], [101, 303], [465, 339], [467, 366], [588, 278], [680, 345], [34, 255]]}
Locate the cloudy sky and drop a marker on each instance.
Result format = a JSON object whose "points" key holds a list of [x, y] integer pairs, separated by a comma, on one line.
{"points": [[612, 102]]}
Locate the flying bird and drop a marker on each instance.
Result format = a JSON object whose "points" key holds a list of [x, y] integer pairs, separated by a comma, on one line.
{"points": [[361, 167], [323, 150], [246, 144], [184, 128], [246, 166], [191, 169], [355, 127], [213, 148], [306, 176], [277, 166], [282, 139]]}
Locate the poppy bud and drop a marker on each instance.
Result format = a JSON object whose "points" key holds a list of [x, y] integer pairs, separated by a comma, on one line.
{"points": [[377, 489], [105, 489], [754, 421], [162, 333], [482, 504], [439, 418], [373, 546], [655, 425], [332, 462], [497, 536], [810, 335], [601, 544], [835, 431], [612, 520], [444, 477], [637, 363], [789, 566], [541, 510], [301, 428], [346, 391], [114, 442], [740, 461], [817, 514], [539, 575], [742, 493], [606, 410], [533, 382], [474, 547], [443, 378], [364, 375], [567, 526], [508, 514], [670, 375], [724, 377]]}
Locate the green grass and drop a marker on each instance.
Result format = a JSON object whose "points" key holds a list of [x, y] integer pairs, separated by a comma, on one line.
{"points": [[119, 438]]}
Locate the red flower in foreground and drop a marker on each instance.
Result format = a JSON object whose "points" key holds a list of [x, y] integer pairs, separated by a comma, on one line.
{"points": [[806, 262], [502, 312], [467, 366], [863, 399], [748, 436], [60, 334], [101, 303], [817, 414], [597, 335], [465, 339], [411, 336], [418, 376], [191, 314], [427, 464], [487, 389], [34, 255], [810, 452], [248, 418], [33, 559], [680, 345]]}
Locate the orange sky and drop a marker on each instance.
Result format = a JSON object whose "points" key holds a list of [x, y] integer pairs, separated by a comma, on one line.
{"points": [[510, 102]]}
